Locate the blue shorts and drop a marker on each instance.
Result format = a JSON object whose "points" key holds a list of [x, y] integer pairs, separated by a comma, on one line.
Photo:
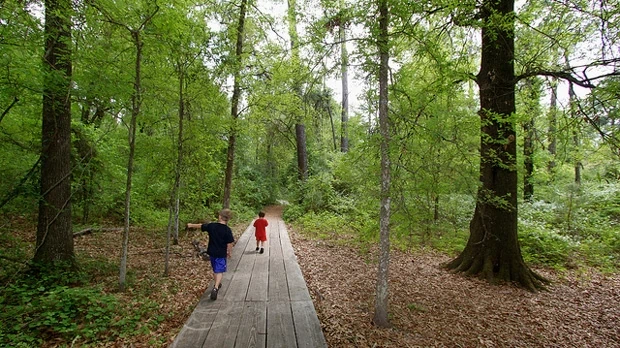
{"points": [[218, 264]]}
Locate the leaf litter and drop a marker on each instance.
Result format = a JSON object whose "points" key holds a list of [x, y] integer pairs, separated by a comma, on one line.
{"points": [[428, 306]]}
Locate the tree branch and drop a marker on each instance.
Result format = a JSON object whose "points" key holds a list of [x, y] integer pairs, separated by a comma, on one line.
{"points": [[6, 111]]}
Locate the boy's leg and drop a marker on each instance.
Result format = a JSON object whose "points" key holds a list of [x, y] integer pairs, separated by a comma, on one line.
{"points": [[218, 279], [219, 267]]}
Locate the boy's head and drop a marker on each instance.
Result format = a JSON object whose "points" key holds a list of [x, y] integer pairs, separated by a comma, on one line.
{"points": [[261, 214], [225, 214]]}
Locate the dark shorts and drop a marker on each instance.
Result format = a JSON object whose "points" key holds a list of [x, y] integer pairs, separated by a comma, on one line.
{"points": [[218, 264]]}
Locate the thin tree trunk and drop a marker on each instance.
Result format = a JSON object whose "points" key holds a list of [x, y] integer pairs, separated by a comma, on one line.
{"points": [[344, 70], [173, 218], [136, 102], [331, 121], [54, 230], [528, 159], [230, 157], [492, 251], [381, 297], [532, 111], [553, 121], [300, 127], [576, 140]]}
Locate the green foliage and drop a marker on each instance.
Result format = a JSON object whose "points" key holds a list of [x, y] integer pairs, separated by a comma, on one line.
{"points": [[60, 304], [577, 228], [546, 247]]}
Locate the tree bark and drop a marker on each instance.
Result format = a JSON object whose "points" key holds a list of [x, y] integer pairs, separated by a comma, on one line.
{"points": [[532, 111], [381, 297], [136, 102], [492, 251], [553, 121], [54, 230], [300, 127], [230, 157], [344, 70]]}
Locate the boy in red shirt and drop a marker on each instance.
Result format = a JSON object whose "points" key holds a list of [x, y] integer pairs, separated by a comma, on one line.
{"points": [[261, 232]]}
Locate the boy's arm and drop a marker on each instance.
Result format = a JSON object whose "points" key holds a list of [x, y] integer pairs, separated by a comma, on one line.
{"points": [[190, 225], [229, 248]]}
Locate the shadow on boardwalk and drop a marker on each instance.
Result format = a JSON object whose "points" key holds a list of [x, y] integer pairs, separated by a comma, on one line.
{"points": [[263, 302]]}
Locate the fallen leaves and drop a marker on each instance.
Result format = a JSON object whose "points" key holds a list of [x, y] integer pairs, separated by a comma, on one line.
{"points": [[430, 307]]}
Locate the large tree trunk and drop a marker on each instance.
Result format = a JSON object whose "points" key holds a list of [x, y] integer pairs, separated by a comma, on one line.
{"points": [[230, 157], [54, 230], [492, 251], [381, 297]]}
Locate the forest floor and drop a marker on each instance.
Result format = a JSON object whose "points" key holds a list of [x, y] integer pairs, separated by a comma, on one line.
{"points": [[428, 306]]}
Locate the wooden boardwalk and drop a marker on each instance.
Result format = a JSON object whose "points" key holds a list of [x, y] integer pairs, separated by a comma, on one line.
{"points": [[263, 302]]}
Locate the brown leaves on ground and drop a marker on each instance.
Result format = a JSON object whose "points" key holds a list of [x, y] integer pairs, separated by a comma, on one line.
{"points": [[430, 307]]}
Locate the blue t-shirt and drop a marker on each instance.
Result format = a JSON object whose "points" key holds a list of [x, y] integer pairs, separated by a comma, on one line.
{"points": [[220, 236]]}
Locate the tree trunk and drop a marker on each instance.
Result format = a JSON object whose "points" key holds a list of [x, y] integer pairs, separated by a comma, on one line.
{"points": [[532, 111], [300, 127], [173, 217], [54, 230], [576, 140], [528, 155], [136, 101], [381, 297], [344, 68], [302, 152], [553, 121], [230, 157], [492, 251]]}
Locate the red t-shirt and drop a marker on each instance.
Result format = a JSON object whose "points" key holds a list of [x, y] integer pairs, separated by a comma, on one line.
{"points": [[261, 229]]}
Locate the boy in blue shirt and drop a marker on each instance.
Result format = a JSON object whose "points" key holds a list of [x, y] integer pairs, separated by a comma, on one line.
{"points": [[219, 246]]}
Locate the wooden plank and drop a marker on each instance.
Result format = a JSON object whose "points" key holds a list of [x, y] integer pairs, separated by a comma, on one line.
{"points": [[253, 325], [280, 329], [238, 289], [195, 331], [278, 286], [225, 326], [259, 281], [235, 263], [298, 290], [307, 326]]}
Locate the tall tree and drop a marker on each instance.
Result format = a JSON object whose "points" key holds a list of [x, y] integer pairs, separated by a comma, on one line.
{"points": [[300, 126], [54, 229], [238, 60], [553, 125], [531, 112], [381, 297], [493, 250], [136, 103], [344, 72]]}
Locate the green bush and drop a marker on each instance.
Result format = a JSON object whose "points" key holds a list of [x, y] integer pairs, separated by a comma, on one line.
{"points": [[546, 247], [52, 305]]}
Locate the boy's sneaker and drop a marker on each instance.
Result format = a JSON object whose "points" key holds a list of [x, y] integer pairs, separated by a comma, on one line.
{"points": [[262, 250], [256, 248], [214, 292]]}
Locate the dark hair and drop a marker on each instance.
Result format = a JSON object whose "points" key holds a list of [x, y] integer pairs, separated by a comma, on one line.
{"points": [[261, 214]]}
